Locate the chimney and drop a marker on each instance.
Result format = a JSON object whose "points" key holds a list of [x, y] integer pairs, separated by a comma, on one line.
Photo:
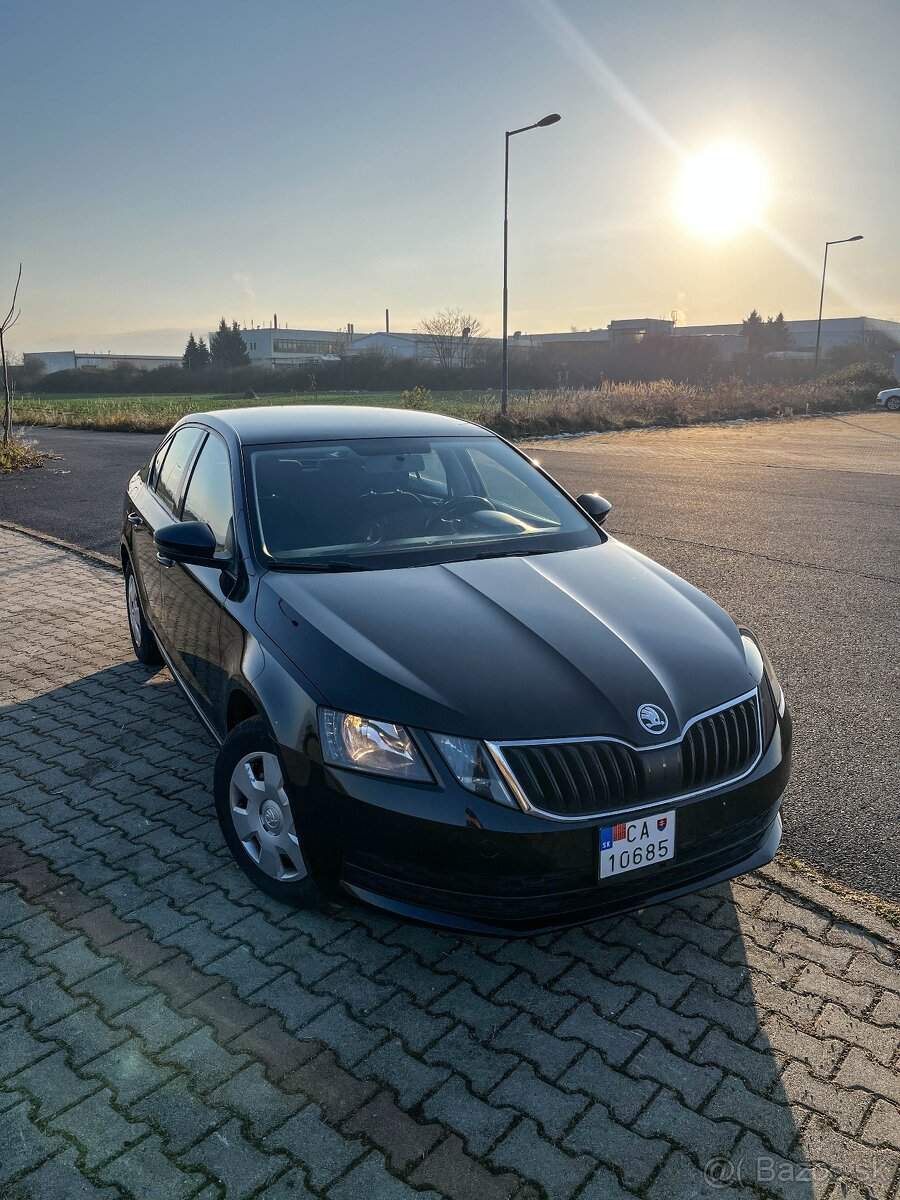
{"points": [[276, 321], [387, 320]]}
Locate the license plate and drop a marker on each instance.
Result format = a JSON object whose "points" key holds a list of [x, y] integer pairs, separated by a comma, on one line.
{"points": [[635, 844]]}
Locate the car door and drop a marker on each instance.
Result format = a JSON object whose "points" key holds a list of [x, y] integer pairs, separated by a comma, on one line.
{"points": [[141, 513], [194, 596], [155, 504]]}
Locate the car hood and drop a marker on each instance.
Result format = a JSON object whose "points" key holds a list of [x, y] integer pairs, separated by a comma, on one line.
{"points": [[553, 645]]}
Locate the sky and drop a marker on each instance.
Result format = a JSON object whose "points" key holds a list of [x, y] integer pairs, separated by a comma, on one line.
{"points": [[166, 164]]}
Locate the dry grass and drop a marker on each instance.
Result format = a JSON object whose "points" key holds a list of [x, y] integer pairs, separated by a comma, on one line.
{"points": [[532, 414], [637, 405], [18, 455]]}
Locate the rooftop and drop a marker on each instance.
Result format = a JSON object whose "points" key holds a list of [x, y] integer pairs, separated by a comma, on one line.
{"points": [[270, 424]]}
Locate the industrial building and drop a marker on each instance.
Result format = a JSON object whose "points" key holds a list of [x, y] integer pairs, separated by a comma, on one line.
{"points": [[727, 339], [280, 347], [274, 347], [68, 360]]}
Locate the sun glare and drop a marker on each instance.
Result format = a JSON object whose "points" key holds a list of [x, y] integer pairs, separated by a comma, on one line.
{"points": [[721, 191]]}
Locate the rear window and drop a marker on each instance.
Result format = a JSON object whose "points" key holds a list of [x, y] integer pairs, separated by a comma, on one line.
{"points": [[156, 463], [172, 470]]}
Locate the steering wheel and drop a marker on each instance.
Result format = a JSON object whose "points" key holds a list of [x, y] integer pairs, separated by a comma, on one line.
{"points": [[457, 508], [388, 513]]}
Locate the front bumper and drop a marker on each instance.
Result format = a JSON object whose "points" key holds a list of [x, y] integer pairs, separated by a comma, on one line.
{"points": [[450, 858]]}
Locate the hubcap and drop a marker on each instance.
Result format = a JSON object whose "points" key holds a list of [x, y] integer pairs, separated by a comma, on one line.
{"points": [[262, 818], [134, 611]]}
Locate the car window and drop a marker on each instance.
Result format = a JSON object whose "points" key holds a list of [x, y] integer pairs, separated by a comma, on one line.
{"points": [[208, 497], [172, 471], [508, 491], [432, 474], [396, 502], [156, 463]]}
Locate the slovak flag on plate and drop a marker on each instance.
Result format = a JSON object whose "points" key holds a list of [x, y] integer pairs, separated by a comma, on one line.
{"points": [[661, 823], [615, 833]]}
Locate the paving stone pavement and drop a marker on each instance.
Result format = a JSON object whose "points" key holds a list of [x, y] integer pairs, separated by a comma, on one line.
{"points": [[168, 1031]]}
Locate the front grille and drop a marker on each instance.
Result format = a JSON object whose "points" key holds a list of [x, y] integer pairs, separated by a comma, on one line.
{"points": [[591, 777], [575, 778], [719, 746]]}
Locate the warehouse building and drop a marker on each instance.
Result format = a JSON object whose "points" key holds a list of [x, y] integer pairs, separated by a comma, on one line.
{"points": [[68, 360]]}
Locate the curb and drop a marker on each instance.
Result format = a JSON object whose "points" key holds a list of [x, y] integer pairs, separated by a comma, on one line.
{"points": [[101, 560]]}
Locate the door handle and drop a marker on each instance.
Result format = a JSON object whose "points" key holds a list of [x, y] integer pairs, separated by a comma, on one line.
{"points": [[134, 519]]}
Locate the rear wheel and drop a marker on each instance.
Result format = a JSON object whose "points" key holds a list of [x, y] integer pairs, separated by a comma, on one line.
{"points": [[255, 815], [142, 638]]}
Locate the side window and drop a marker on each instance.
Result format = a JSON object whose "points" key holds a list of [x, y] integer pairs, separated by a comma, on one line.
{"points": [[156, 463], [208, 497], [433, 475], [172, 470], [507, 491]]}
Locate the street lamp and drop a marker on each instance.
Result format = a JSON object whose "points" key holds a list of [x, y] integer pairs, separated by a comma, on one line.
{"points": [[839, 242], [548, 120]]}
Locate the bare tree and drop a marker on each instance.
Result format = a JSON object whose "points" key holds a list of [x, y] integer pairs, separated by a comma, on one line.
{"points": [[450, 334], [5, 325]]}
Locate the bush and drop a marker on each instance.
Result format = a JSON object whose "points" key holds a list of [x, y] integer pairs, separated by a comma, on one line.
{"points": [[862, 381], [18, 454], [419, 398]]}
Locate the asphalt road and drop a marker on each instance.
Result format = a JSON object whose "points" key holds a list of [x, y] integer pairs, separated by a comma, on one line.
{"points": [[792, 527]]}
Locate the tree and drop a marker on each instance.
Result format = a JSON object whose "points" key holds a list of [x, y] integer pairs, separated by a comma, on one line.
{"points": [[769, 334], [202, 356], [227, 347], [753, 328], [874, 348], [450, 334], [777, 333], [5, 325], [189, 358]]}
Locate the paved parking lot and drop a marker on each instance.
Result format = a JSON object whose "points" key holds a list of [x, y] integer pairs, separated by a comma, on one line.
{"points": [[167, 1031]]}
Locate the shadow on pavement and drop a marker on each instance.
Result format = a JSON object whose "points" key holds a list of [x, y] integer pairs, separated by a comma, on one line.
{"points": [[644, 1055]]}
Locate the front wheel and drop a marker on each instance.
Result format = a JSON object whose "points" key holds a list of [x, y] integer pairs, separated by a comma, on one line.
{"points": [[145, 647], [893, 403], [255, 815]]}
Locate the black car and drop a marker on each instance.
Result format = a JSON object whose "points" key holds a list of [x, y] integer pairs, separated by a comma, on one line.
{"points": [[437, 682]]}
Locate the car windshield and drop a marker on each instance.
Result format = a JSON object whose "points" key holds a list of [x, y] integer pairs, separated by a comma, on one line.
{"points": [[396, 502]]}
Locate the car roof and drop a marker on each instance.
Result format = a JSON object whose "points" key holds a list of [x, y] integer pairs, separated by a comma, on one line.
{"points": [[321, 422]]}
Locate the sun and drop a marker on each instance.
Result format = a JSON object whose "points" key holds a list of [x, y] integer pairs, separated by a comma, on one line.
{"points": [[721, 191]]}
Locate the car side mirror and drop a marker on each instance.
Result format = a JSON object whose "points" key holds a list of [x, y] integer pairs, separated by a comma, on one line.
{"points": [[185, 542], [595, 506]]}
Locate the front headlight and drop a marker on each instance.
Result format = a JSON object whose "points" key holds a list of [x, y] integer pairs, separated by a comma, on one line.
{"points": [[473, 767], [759, 664], [366, 745]]}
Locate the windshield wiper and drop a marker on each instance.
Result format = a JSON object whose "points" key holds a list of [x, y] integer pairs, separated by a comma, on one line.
{"points": [[508, 553], [328, 564]]}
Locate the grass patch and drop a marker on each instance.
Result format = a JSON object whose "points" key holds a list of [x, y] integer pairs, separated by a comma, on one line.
{"points": [[532, 414], [19, 455], [156, 414]]}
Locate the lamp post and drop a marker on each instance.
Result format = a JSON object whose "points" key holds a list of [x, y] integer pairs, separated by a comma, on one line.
{"points": [[548, 120], [838, 242]]}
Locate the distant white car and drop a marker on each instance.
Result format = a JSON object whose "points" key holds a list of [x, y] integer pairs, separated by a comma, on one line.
{"points": [[889, 398]]}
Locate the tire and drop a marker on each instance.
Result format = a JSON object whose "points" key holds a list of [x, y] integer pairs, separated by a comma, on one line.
{"points": [[256, 818], [145, 647], [893, 403]]}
